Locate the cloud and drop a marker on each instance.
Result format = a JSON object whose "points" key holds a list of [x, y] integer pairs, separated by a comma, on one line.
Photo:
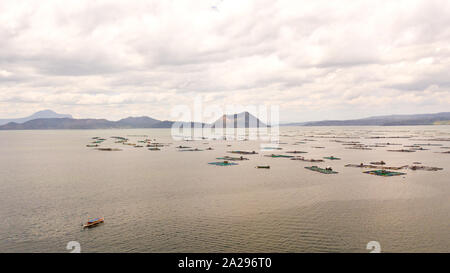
{"points": [[315, 59]]}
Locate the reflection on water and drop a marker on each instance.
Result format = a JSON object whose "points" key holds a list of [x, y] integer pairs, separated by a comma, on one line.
{"points": [[171, 201]]}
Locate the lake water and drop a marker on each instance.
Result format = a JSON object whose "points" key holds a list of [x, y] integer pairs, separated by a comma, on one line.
{"points": [[172, 201]]}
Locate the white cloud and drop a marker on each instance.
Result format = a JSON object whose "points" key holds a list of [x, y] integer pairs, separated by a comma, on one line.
{"points": [[316, 59]]}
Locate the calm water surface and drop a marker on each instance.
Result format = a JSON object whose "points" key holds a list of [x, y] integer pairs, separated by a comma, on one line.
{"points": [[171, 201]]}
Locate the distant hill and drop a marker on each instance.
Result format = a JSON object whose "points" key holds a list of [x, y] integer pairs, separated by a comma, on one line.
{"points": [[241, 120], [70, 123], [392, 120], [138, 122], [60, 123], [37, 115]]}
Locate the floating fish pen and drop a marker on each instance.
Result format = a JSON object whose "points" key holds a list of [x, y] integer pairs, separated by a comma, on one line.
{"points": [[359, 148], [183, 147], [243, 152], [375, 166], [279, 156], [402, 151], [428, 144], [332, 158], [346, 142], [296, 152], [378, 163], [232, 158], [301, 158], [321, 170], [108, 149], [419, 149], [155, 145], [154, 149], [424, 168], [191, 150], [223, 163], [120, 138], [272, 148], [384, 173]]}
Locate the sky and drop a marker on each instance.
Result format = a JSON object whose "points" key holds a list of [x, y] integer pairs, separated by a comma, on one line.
{"points": [[315, 60]]}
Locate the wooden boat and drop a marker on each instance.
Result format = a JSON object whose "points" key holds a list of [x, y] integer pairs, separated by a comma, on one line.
{"points": [[93, 222], [263, 167]]}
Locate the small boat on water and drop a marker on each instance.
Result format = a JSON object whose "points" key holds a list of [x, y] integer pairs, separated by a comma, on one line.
{"points": [[93, 222], [263, 167]]}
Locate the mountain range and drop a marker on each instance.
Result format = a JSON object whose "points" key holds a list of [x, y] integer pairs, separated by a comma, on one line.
{"points": [[391, 120], [54, 121], [48, 119]]}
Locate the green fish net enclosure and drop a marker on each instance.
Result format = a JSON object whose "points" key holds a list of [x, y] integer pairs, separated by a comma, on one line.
{"points": [[384, 173], [222, 163], [321, 170]]}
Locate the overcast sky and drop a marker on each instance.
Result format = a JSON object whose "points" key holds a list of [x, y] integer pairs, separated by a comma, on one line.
{"points": [[315, 59]]}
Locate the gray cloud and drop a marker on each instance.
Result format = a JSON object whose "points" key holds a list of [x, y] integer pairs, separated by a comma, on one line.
{"points": [[114, 58]]}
